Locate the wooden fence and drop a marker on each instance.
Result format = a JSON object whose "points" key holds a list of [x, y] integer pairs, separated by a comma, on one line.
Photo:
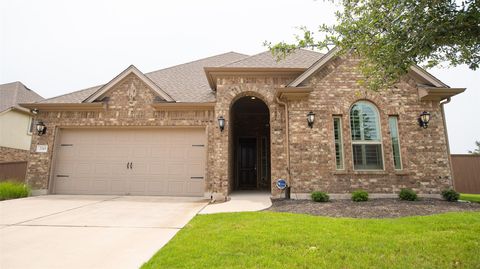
{"points": [[13, 171], [466, 173]]}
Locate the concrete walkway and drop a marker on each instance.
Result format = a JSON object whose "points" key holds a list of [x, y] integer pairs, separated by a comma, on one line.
{"points": [[241, 201], [67, 231]]}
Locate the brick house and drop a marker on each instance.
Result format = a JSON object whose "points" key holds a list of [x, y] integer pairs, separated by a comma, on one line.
{"points": [[159, 133]]}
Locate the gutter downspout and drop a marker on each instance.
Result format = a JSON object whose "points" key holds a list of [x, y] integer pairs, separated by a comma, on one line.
{"points": [[287, 140], [446, 138]]}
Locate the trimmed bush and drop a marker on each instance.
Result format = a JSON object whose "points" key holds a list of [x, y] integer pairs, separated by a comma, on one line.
{"points": [[13, 190], [408, 195], [320, 196], [360, 196], [450, 195]]}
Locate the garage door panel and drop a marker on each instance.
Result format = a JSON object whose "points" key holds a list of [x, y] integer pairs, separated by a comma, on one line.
{"points": [[159, 151], [156, 187], [176, 187], [83, 169], [195, 187], [100, 186], [118, 186], [63, 185], [66, 169], [81, 184], [102, 169], [196, 170], [163, 161], [158, 168]]}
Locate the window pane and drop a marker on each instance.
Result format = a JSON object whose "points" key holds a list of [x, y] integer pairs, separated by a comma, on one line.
{"points": [[337, 129], [364, 122], [31, 126], [367, 156], [393, 124]]}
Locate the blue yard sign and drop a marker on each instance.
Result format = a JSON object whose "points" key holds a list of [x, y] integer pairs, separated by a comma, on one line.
{"points": [[281, 183]]}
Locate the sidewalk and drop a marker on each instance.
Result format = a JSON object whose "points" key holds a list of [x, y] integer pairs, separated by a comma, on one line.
{"points": [[241, 201]]}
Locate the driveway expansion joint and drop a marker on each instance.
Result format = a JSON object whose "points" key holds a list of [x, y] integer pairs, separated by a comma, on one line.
{"points": [[63, 211]]}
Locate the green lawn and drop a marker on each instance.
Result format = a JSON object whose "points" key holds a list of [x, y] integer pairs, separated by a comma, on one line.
{"points": [[284, 240], [470, 197]]}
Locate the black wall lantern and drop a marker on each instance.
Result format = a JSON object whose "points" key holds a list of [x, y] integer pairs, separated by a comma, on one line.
{"points": [[310, 119], [221, 123], [41, 128], [424, 119]]}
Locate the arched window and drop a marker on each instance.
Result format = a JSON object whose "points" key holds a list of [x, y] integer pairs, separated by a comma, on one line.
{"points": [[366, 137]]}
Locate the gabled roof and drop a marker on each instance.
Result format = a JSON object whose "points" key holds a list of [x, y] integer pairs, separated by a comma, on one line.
{"points": [[183, 83], [130, 70], [415, 70], [12, 94]]}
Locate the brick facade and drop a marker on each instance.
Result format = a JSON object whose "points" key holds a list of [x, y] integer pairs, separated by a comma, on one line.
{"points": [[426, 167], [13, 155]]}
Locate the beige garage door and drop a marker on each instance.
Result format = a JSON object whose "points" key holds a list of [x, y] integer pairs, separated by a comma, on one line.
{"points": [[130, 162]]}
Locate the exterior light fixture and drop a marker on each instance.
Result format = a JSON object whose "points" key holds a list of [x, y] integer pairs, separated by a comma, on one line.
{"points": [[34, 111], [310, 119], [424, 119], [221, 123], [253, 97], [41, 128]]}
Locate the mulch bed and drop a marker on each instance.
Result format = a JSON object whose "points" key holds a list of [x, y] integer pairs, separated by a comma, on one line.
{"points": [[374, 208]]}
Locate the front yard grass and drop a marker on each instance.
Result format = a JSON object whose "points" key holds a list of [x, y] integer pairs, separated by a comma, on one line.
{"points": [[470, 197], [285, 240], [13, 190]]}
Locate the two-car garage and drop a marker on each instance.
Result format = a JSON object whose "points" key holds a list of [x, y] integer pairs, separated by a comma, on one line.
{"points": [[149, 161]]}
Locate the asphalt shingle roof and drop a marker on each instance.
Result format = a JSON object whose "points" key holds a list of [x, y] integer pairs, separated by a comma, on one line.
{"points": [[188, 83], [14, 93], [299, 59]]}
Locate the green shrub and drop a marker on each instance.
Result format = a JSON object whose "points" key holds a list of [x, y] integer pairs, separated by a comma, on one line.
{"points": [[320, 196], [360, 196], [12, 190], [408, 195], [450, 195]]}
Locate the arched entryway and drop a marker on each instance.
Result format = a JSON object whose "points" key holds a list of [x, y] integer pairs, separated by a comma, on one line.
{"points": [[250, 144]]}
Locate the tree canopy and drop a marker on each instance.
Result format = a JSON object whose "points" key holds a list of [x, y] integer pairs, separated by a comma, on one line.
{"points": [[392, 35], [477, 150]]}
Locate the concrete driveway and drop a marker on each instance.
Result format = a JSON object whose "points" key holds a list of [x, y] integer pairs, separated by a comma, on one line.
{"points": [[77, 231]]}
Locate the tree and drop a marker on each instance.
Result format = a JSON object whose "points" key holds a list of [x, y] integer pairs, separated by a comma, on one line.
{"points": [[477, 150], [392, 35]]}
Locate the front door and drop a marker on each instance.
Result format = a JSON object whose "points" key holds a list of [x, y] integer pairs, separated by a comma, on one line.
{"points": [[247, 163]]}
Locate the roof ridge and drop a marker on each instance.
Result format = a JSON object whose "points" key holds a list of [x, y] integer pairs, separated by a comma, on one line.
{"points": [[202, 59], [251, 56], [266, 51]]}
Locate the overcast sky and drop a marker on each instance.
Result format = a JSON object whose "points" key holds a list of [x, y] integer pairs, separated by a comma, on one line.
{"points": [[55, 47]]}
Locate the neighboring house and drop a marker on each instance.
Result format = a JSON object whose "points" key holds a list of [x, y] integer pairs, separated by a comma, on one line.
{"points": [[15, 121], [160, 133]]}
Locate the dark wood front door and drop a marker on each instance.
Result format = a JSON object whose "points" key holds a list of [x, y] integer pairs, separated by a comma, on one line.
{"points": [[247, 163]]}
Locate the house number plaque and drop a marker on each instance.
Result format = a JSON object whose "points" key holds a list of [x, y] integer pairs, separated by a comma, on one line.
{"points": [[42, 148]]}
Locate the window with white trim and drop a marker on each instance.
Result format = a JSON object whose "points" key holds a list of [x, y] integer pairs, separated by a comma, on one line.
{"points": [[366, 137], [31, 126], [337, 133], [393, 125]]}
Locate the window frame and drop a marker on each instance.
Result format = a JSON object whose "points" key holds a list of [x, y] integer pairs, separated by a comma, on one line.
{"points": [[367, 142], [31, 126], [340, 142], [398, 142]]}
